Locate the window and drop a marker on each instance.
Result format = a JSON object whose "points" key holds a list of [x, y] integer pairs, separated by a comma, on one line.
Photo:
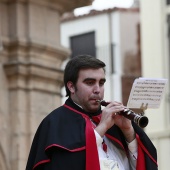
{"points": [[83, 44]]}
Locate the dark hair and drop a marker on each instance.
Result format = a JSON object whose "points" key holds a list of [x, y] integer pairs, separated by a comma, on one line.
{"points": [[76, 64]]}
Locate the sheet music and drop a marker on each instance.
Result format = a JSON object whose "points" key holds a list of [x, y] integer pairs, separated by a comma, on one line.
{"points": [[146, 93]]}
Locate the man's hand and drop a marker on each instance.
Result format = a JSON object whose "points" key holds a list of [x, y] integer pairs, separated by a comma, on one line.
{"points": [[110, 116]]}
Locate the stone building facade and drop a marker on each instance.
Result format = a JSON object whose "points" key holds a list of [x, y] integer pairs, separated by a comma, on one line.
{"points": [[30, 71]]}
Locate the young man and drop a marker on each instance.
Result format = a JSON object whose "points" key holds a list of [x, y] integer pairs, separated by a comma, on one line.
{"points": [[81, 136]]}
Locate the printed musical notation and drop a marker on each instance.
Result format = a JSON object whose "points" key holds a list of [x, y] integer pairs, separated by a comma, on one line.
{"points": [[146, 93]]}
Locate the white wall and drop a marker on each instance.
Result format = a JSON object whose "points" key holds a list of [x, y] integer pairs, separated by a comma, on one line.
{"points": [[154, 62], [153, 56]]}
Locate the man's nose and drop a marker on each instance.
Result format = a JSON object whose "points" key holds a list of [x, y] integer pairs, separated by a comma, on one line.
{"points": [[96, 88]]}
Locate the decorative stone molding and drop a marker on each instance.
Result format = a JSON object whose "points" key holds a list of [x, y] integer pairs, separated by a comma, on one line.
{"points": [[59, 5], [33, 67]]}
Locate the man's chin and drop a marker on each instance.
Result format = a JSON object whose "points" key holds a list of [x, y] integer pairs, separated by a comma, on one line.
{"points": [[94, 108]]}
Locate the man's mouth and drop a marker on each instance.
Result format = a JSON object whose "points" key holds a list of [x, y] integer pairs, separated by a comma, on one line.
{"points": [[96, 100]]}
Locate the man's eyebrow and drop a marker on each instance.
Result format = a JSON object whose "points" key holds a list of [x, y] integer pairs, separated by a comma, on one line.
{"points": [[93, 79], [88, 79]]}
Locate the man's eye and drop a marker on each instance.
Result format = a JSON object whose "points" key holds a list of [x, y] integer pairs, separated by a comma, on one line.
{"points": [[89, 82], [102, 83]]}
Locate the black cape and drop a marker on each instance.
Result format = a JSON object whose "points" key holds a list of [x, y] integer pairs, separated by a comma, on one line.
{"points": [[60, 142]]}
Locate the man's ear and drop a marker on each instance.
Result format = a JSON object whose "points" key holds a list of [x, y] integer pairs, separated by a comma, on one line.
{"points": [[71, 87]]}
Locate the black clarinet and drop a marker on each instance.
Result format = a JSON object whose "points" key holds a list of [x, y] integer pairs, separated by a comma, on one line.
{"points": [[141, 121]]}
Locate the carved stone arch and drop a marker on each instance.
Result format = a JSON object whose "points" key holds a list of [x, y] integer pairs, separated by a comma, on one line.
{"points": [[3, 162]]}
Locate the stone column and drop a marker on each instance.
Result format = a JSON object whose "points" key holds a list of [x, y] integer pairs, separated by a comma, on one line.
{"points": [[30, 71]]}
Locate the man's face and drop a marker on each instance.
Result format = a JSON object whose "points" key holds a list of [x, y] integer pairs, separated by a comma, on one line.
{"points": [[89, 88]]}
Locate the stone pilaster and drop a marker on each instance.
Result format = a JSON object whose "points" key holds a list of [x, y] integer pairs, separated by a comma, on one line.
{"points": [[30, 71]]}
